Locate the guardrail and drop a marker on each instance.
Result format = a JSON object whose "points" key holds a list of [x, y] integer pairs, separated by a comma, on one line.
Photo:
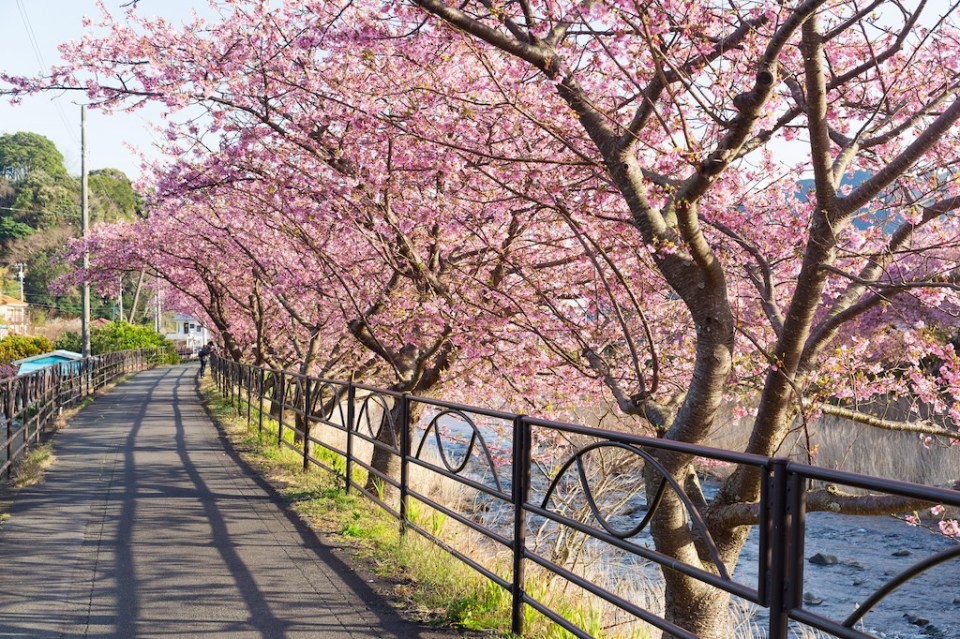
{"points": [[532, 484], [31, 403]]}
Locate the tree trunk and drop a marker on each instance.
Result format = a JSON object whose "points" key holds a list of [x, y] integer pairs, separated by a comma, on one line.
{"points": [[274, 387], [695, 606], [299, 413], [386, 458]]}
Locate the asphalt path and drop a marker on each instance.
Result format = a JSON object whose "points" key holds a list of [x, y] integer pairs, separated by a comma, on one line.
{"points": [[146, 526]]}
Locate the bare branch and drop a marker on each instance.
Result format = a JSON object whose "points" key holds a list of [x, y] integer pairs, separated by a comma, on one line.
{"points": [[763, 282], [920, 427], [885, 176], [829, 499]]}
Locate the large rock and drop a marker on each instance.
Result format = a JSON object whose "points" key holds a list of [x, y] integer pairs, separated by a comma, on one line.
{"points": [[823, 559], [811, 599]]}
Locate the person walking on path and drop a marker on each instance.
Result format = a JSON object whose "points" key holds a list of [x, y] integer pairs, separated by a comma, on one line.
{"points": [[204, 355]]}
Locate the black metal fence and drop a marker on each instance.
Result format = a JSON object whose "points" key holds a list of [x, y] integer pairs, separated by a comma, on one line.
{"points": [[533, 485], [31, 403]]}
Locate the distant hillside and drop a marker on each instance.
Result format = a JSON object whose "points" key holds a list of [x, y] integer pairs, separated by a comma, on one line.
{"points": [[40, 212]]}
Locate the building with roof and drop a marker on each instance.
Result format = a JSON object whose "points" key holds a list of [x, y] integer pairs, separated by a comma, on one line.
{"points": [[13, 316], [188, 333]]}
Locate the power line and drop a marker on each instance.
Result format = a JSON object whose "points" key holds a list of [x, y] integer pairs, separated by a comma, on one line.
{"points": [[32, 36], [8, 208]]}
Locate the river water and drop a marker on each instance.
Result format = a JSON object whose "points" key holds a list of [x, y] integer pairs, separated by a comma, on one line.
{"points": [[869, 551]]}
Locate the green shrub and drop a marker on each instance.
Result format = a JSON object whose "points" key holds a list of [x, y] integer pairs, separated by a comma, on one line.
{"points": [[14, 347], [121, 336]]}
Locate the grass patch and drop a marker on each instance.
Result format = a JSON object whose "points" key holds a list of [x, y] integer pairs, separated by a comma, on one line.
{"points": [[428, 581], [29, 470], [433, 585]]}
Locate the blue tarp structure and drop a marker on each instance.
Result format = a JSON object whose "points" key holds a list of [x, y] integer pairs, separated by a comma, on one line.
{"points": [[36, 362]]}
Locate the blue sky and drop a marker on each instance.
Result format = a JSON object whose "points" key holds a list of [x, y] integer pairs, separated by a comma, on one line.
{"points": [[58, 116]]}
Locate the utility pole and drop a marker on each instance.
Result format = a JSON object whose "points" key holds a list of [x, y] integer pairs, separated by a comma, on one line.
{"points": [[156, 292], [120, 300], [85, 223], [21, 267]]}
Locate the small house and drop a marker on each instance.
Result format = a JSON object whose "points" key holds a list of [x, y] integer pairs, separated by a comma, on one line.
{"points": [[188, 332], [13, 316]]}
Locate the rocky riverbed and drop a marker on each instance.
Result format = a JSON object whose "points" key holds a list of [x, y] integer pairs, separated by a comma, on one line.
{"points": [[848, 558]]}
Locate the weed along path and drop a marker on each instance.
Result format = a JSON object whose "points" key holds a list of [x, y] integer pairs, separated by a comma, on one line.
{"points": [[146, 527]]}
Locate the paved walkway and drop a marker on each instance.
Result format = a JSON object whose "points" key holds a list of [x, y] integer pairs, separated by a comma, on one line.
{"points": [[146, 527]]}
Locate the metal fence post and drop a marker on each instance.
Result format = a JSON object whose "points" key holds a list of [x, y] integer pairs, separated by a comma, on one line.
{"points": [[33, 401], [249, 371], [24, 412], [239, 390], [351, 416], [405, 427], [8, 413], [796, 516], [58, 387], [305, 385], [47, 418], [778, 527], [281, 387], [521, 490], [262, 391]]}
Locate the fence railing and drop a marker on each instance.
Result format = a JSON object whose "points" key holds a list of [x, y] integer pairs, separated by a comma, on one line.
{"points": [[537, 493], [31, 403]]}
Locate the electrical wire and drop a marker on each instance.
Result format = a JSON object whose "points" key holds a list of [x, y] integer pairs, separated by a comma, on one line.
{"points": [[9, 208], [34, 44]]}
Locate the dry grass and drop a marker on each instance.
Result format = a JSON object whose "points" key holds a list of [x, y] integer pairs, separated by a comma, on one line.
{"points": [[52, 328], [29, 470], [845, 445]]}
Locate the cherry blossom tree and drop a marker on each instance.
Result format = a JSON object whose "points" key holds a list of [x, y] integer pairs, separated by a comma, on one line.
{"points": [[681, 105], [688, 206], [345, 200]]}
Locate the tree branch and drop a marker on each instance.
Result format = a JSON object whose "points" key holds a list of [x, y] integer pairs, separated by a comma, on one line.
{"points": [[828, 499], [885, 176], [920, 427]]}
